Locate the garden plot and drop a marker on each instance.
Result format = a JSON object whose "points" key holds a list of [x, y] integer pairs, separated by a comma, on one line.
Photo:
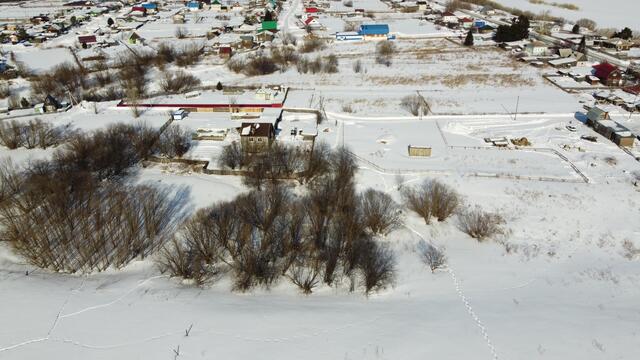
{"points": [[385, 144], [614, 13], [454, 81], [41, 61], [367, 5]]}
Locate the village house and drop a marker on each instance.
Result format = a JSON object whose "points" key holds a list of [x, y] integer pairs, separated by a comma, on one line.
{"points": [[536, 48], [87, 40], [608, 74], [312, 22], [374, 31], [256, 137], [449, 18]]}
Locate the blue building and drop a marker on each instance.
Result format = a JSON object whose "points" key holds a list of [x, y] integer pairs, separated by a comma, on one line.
{"points": [[193, 5], [374, 30], [479, 23], [150, 6]]}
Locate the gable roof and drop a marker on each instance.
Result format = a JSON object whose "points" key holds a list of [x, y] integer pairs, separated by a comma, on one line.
{"points": [[270, 25], [87, 39], [257, 129], [603, 70]]}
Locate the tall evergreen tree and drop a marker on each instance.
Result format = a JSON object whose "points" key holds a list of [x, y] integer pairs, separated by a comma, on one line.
{"points": [[576, 29], [469, 39], [583, 45]]}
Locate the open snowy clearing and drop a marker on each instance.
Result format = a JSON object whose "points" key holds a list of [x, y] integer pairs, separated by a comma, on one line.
{"points": [[613, 13]]}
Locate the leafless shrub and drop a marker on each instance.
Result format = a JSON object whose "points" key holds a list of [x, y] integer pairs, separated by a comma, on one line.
{"points": [[304, 275], [330, 65], [479, 224], [178, 82], [415, 104], [236, 64], [311, 44], [381, 214], [347, 108], [174, 141], [384, 52], [284, 56], [357, 66], [610, 160], [181, 32], [630, 250], [259, 65], [5, 91], [351, 26], [432, 199], [289, 39], [432, 256], [188, 55], [166, 54], [11, 134]]}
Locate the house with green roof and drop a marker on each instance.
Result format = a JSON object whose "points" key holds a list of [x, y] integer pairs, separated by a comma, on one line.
{"points": [[270, 25]]}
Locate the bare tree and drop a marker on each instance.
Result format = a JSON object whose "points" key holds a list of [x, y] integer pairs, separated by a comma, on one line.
{"points": [[232, 156], [380, 213], [174, 141], [434, 257], [377, 265]]}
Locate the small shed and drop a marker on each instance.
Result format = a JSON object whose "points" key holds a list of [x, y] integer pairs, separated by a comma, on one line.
{"points": [[179, 114], [421, 151]]}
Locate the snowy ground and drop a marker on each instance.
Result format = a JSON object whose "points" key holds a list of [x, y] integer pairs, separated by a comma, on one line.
{"points": [[613, 13], [559, 284]]}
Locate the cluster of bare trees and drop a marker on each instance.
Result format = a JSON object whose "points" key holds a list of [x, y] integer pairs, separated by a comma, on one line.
{"points": [[321, 64], [279, 162], [325, 236], [311, 44], [63, 80], [258, 64], [432, 199], [31, 134], [72, 213]]}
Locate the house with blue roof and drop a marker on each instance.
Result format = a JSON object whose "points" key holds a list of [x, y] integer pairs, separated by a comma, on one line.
{"points": [[193, 5], [375, 31], [150, 6], [367, 32]]}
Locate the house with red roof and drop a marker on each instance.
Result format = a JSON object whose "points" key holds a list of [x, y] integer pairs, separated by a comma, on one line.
{"points": [[608, 74], [311, 10], [312, 22], [87, 40]]}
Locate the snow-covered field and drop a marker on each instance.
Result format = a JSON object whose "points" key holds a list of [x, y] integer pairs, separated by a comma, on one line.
{"points": [[562, 282], [613, 13]]}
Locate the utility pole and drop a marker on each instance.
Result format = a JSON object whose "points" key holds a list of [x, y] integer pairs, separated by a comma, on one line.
{"points": [[517, 104]]}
